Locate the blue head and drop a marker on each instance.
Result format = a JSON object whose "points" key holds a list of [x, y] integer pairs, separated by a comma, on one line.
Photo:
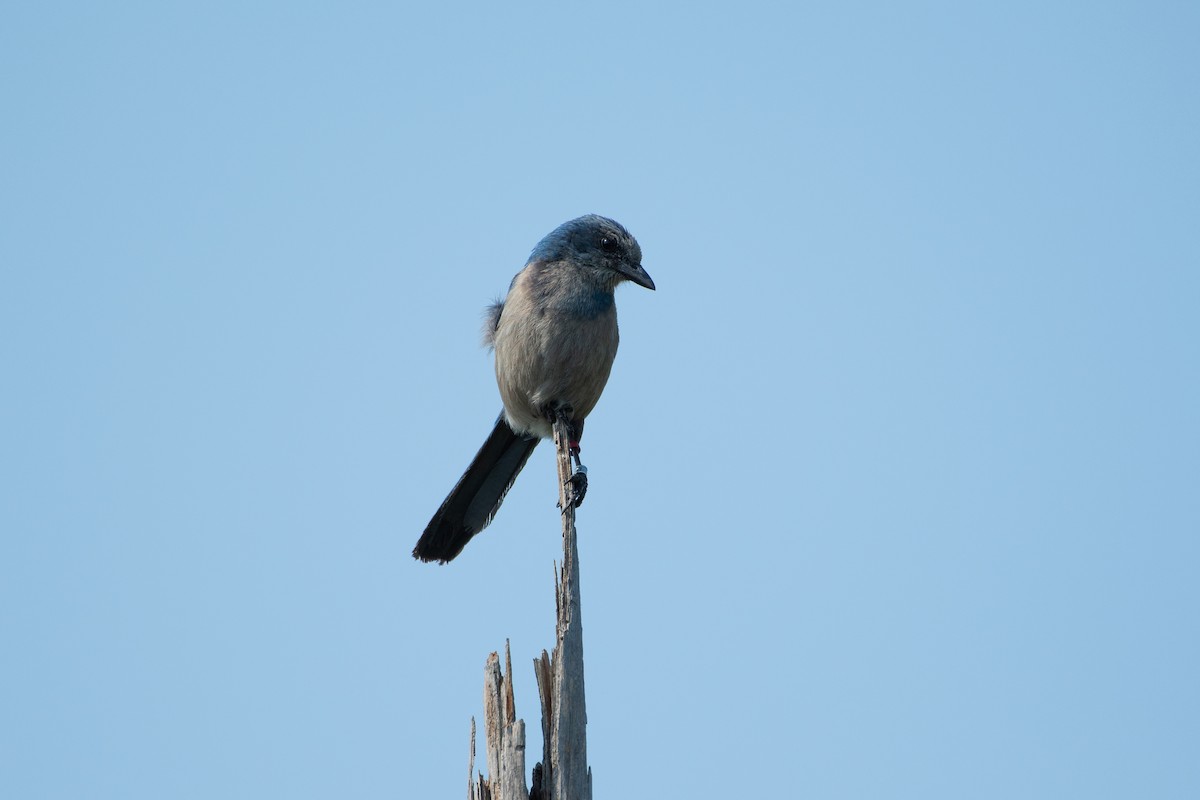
{"points": [[598, 245]]}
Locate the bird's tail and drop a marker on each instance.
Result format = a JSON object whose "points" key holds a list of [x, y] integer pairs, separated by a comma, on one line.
{"points": [[477, 496]]}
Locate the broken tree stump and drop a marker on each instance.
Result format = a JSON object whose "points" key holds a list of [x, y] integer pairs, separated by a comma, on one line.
{"points": [[563, 773]]}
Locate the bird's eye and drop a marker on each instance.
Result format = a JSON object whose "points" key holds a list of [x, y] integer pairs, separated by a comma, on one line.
{"points": [[608, 244]]}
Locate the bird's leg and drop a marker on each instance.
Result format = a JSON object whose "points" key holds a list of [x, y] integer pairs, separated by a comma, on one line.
{"points": [[578, 480]]}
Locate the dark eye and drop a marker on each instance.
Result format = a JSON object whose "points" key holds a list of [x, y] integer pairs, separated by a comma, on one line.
{"points": [[608, 244]]}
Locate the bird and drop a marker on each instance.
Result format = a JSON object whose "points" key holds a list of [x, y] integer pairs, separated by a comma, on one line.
{"points": [[554, 337]]}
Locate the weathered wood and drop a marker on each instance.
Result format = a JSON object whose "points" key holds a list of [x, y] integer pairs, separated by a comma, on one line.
{"points": [[563, 773], [471, 793], [505, 735], [544, 672], [569, 776]]}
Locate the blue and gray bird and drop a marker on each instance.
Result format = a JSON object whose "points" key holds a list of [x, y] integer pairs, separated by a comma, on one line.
{"points": [[555, 338]]}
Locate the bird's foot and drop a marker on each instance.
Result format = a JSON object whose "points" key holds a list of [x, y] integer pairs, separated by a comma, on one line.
{"points": [[579, 479], [578, 484]]}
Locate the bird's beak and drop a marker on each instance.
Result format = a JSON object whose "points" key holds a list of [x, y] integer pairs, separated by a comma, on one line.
{"points": [[635, 273]]}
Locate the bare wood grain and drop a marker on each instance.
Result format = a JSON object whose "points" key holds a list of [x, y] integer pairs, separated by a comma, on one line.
{"points": [[505, 735], [563, 773], [570, 777]]}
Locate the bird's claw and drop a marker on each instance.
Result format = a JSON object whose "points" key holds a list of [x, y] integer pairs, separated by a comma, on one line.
{"points": [[577, 484]]}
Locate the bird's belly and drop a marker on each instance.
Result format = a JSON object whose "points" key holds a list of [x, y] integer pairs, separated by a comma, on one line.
{"points": [[542, 367]]}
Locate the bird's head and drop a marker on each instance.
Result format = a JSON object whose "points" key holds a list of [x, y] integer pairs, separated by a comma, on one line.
{"points": [[599, 245]]}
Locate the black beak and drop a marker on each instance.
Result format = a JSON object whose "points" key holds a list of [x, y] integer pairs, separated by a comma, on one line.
{"points": [[636, 274]]}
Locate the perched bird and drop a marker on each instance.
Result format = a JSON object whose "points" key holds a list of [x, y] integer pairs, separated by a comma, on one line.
{"points": [[555, 337]]}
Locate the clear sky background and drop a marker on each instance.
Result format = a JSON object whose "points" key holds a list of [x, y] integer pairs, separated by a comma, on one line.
{"points": [[895, 486]]}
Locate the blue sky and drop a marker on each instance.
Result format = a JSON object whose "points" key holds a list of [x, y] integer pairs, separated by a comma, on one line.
{"points": [[893, 488]]}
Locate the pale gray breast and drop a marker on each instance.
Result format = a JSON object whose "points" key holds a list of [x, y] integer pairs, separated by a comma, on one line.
{"points": [[552, 349]]}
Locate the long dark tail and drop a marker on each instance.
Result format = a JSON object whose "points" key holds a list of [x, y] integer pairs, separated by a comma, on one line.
{"points": [[477, 496]]}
